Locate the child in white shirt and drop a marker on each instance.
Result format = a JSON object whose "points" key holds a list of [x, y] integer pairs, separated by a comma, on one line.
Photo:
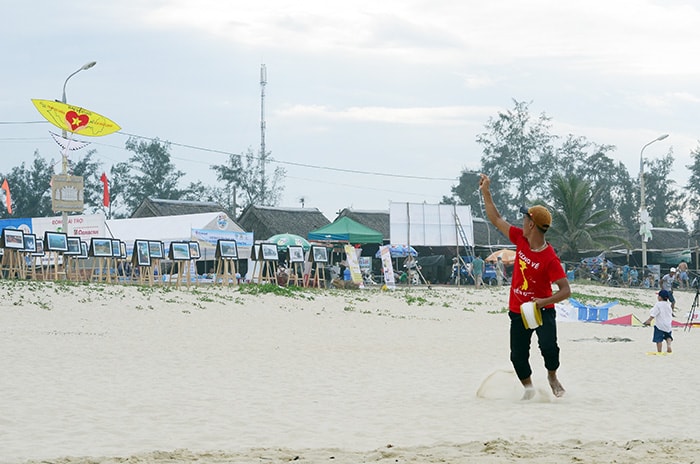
{"points": [[663, 313]]}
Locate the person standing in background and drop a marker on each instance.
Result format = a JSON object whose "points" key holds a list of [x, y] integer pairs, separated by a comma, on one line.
{"points": [[500, 271], [478, 270], [663, 314], [683, 278]]}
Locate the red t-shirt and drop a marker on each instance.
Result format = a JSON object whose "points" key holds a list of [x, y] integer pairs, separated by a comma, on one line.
{"points": [[533, 272]]}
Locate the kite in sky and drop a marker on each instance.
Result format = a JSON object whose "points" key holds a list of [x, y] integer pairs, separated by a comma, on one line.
{"points": [[68, 144], [75, 119]]}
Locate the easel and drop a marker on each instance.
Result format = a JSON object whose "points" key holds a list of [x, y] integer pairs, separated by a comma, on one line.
{"points": [[145, 274], [180, 277], [268, 272], [226, 270], [13, 262], [192, 265], [296, 274], [102, 273], [155, 265], [72, 265], [319, 275], [32, 267], [53, 256]]}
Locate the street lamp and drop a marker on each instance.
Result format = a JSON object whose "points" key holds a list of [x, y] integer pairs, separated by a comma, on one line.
{"points": [[642, 206], [64, 157], [84, 67]]}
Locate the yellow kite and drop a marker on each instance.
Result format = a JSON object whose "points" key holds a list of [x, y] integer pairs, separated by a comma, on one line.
{"points": [[75, 119]]}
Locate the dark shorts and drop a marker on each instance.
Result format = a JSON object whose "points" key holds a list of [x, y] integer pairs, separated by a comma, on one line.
{"points": [[660, 335]]}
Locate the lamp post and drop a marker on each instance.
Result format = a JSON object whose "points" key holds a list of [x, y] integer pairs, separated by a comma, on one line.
{"points": [[642, 206], [64, 157]]}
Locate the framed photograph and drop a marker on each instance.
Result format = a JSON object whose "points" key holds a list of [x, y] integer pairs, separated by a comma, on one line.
{"points": [[55, 241], [122, 250], [39, 247], [269, 251], [30, 243], [100, 247], [319, 254], [179, 251], [156, 249], [194, 250], [142, 253], [73, 246], [227, 249], [296, 254], [83, 250], [116, 248], [13, 239]]}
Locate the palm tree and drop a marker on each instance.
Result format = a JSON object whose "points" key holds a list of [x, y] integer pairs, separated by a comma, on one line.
{"points": [[576, 226]]}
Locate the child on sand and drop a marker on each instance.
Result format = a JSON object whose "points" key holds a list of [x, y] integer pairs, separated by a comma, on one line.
{"points": [[663, 313]]}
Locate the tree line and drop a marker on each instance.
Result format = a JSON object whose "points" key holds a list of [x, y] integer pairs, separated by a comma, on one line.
{"points": [[594, 199], [149, 172]]}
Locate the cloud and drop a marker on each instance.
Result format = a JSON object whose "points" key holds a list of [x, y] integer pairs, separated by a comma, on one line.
{"points": [[447, 115]]}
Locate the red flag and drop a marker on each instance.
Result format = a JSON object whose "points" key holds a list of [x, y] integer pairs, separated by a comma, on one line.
{"points": [[8, 198], [105, 190]]}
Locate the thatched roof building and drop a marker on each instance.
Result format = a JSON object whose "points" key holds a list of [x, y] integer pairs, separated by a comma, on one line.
{"points": [[154, 207], [266, 221], [666, 247]]}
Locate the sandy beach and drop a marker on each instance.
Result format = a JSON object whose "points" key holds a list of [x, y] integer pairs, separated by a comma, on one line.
{"points": [[113, 374]]}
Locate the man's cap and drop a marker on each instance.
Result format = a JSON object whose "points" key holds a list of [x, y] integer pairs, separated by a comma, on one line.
{"points": [[539, 215], [664, 294], [673, 269]]}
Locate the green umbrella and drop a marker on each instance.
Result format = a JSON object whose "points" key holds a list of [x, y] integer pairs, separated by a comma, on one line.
{"points": [[285, 240]]}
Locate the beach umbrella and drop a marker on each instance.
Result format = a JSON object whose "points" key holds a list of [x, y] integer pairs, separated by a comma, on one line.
{"points": [[507, 256], [285, 240], [398, 251]]}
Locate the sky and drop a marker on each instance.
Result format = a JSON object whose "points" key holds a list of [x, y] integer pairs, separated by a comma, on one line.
{"points": [[366, 102]]}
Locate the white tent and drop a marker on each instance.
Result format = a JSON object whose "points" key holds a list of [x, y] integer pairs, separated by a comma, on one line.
{"points": [[178, 228], [168, 228]]}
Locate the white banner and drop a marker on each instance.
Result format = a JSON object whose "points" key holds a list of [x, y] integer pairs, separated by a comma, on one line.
{"points": [[354, 265], [84, 226], [387, 267]]}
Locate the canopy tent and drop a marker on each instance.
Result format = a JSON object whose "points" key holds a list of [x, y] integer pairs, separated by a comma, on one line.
{"points": [[346, 230]]}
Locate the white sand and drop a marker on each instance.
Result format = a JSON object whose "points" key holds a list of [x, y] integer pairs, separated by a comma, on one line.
{"points": [[208, 375]]}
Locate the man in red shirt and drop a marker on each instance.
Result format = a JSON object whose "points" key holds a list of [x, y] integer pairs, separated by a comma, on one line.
{"points": [[536, 268]]}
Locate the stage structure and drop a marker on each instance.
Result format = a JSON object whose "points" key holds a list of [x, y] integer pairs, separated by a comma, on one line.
{"points": [[422, 224]]}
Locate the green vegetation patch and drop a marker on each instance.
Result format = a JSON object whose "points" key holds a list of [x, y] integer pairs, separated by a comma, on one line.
{"points": [[263, 289]]}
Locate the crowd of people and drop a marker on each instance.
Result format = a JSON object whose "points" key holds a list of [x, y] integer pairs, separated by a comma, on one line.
{"points": [[630, 276]]}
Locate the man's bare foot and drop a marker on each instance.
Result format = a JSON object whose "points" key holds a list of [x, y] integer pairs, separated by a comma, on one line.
{"points": [[557, 389], [528, 394]]}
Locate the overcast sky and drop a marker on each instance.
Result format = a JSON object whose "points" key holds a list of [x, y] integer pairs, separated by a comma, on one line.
{"points": [[395, 90]]}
